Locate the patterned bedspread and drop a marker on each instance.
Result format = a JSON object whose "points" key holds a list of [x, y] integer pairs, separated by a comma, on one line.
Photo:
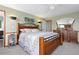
{"points": [[30, 41]]}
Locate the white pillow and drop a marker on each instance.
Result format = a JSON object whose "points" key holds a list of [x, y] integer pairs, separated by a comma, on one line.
{"points": [[28, 30], [35, 30], [25, 30], [22, 30]]}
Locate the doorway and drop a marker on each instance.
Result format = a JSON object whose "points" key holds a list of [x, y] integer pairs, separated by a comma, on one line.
{"points": [[1, 28]]}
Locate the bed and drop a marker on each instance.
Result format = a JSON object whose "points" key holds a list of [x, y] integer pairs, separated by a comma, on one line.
{"points": [[36, 42]]}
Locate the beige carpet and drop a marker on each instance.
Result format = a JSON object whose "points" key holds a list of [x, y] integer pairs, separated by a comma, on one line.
{"points": [[1, 43], [67, 49], [14, 50]]}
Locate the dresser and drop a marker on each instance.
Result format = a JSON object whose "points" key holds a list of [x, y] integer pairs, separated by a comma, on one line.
{"points": [[69, 34], [78, 37]]}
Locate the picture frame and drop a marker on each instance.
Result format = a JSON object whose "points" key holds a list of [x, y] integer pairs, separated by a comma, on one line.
{"points": [[29, 20]]}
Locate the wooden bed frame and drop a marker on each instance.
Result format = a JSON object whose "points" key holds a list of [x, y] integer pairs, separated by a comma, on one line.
{"points": [[45, 47]]}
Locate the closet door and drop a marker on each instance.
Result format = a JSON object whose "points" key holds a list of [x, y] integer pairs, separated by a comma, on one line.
{"points": [[49, 25], [43, 25]]}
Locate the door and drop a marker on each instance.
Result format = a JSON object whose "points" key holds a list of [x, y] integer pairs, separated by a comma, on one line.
{"points": [[49, 25]]}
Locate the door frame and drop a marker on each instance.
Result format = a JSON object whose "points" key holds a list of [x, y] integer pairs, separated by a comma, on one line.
{"points": [[4, 28], [4, 32]]}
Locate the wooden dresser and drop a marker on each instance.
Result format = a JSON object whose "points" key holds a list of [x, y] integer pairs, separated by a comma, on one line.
{"points": [[69, 34]]}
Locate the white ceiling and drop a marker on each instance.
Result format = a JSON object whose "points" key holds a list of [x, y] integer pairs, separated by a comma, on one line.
{"points": [[44, 10]]}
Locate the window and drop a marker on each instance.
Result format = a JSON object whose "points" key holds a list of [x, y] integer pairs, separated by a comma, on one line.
{"points": [[61, 26]]}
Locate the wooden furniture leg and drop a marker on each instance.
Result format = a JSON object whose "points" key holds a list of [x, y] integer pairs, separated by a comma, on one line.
{"points": [[41, 46]]}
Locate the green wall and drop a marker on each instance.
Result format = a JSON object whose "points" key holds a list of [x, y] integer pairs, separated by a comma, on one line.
{"points": [[74, 15]]}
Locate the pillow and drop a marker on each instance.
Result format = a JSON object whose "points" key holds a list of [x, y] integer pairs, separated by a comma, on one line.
{"points": [[22, 30], [25, 30], [28, 30], [35, 30]]}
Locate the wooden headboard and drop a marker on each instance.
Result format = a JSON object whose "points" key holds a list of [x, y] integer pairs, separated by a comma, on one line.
{"points": [[27, 27], [24, 27]]}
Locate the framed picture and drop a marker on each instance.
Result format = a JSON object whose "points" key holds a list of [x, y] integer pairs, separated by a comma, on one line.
{"points": [[28, 20]]}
